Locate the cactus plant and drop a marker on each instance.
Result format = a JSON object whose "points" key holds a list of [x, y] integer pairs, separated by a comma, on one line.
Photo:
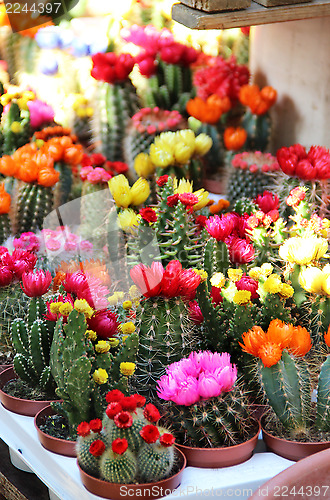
{"points": [[114, 455], [16, 129], [200, 416], [34, 203], [83, 375]]}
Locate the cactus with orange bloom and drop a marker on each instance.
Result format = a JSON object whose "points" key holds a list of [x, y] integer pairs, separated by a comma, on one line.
{"points": [[284, 375]]}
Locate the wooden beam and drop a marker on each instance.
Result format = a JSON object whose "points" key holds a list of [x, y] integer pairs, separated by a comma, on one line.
{"points": [[252, 16]]}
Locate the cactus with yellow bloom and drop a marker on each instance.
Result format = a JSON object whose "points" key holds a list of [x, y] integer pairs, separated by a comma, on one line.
{"points": [[286, 380], [85, 367]]}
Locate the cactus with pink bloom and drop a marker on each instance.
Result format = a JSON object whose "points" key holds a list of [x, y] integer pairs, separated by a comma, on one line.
{"points": [[204, 403]]}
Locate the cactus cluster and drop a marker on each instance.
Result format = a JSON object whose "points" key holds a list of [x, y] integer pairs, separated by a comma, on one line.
{"points": [[127, 446], [82, 374]]}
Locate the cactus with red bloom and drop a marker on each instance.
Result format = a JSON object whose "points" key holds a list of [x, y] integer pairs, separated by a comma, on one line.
{"points": [[130, 447]]}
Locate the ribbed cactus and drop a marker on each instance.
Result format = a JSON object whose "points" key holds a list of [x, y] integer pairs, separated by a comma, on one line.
{"points": [[259, 129], [216, 422], [241, 48], [5, 227], [13, 304], [34, 203], [73, 362], [16, 129], [32, 341], [315, 315], [250, 174], [130, 447], [62, 189], [214, 159], [323, 398], [115, 105], [166, 333]]}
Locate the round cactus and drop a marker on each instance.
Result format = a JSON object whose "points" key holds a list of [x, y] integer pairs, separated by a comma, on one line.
{"points": [[155, 462], [88, 462], [117, 468]]}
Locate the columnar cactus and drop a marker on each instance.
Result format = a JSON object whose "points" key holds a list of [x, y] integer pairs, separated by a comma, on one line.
{"points": [[34, 203], [127, 446]]}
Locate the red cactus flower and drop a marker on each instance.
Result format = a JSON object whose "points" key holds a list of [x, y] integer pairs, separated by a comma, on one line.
{"points": [[249, 284], [201, 221], [148, 280], [240, 251], [219, 227], [128, 403], [295, 161], [172, 200], [119, 446], [189, 281], [140, 400], [162, 180], [195, 312], [6, 276], [22, 261], [123, 420], [97, 448], [149, 433], [167, 439], [114, 396], [267, 201], [104, 323], [95, 425], [171, 279], [148, 214], [36, 283], [110, 67], [216, 296], [188, 199], [113, 409], [83, 429], [151, 413]]}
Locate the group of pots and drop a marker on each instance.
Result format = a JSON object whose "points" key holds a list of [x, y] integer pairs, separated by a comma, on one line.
{"points": [[195, 457]]}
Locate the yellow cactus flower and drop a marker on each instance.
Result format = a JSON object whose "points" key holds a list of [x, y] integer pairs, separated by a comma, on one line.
{"points": [[100, 376], [143, 165], [255, 273], [266, 269], [273, 284], [218, 280], [124, 337], [161, 156], [65, 308], [22, 103], [140, 191], [234, 274], [113, 342], [127, 304], [203, 199], [102, 346], [242, 297], [187, 136], [127, 368], [134, 292], [166, 140], [16, 127], [91, 335], [312, 279], [55, 307], [203, 274], [303, 250], [127, 328], [119, 295], [120, 190], [113, 301], [29, 95], [286, 291], [128, 220], [182, 153], [203, 144], [82, 306], [184, 186]]}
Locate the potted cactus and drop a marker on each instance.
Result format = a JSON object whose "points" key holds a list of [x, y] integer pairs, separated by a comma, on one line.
{"points": [[127, 451], [297, 424], [208, 410]]}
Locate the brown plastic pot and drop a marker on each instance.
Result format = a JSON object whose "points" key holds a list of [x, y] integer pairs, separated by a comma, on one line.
{"points": [[148, 491], [292, 450], [214, 458], [27, 407], [56, 445]]}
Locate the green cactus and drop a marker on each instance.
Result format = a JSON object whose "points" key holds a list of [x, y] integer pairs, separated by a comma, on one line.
{"points": [[116, 104], [250, 174], [216, 422], [73, 362], [93, 213], [12, 139], [241, 48], [259, 130], [118, 468], [89, 462], [155, 462], [166, 333], [32, 341], [131, 434], [5, 227], [245, 206], [315, 316], [34, 203], [13, 304], [62, 188], [323, 398], [214, 159]]}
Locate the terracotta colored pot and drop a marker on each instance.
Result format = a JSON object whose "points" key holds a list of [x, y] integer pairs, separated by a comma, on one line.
{"points": [[292, 450], [309, 478], [148, 491], [4, 367], [27, 407], [56, 445], [214, 458]]}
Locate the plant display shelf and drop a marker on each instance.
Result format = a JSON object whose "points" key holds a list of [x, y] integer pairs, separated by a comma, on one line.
{"points": [[254, 15], [61, 475]]}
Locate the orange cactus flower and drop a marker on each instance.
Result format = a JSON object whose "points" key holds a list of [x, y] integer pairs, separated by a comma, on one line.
{"points": [[280, 333], [28, 171], [8, 166], [96, 268], [253, 340], [73, 155], [300, 342], [47, 177], [58, 280], [25, 152], [208, 111], [327, 337], [43, 160], [270, 353], [54, 149], [55, 131], [4, 200], [221, 205], [234, 138], [259, 101]]}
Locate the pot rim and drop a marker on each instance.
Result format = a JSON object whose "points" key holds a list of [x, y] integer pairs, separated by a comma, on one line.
{"points": [[14, 398], [48, 411], [285, 440]]}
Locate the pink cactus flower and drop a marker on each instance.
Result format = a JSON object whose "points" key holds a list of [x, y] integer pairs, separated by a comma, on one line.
{"points": [[36, 284], [219, 227]]}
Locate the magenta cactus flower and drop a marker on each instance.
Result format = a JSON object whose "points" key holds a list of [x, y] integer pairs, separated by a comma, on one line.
{"points": [[36, 284]]}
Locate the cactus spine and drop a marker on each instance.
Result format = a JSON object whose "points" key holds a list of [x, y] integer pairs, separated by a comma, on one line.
{"points": [[118, 468], [91, 463], [34, 203], [155, 461], [116, 104]]}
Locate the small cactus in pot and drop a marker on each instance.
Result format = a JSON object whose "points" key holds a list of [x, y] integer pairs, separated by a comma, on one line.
{"points": [[127, 446]]}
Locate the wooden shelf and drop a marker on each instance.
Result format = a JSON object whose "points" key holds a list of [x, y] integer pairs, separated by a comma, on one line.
{"points": [[255, 14]]}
